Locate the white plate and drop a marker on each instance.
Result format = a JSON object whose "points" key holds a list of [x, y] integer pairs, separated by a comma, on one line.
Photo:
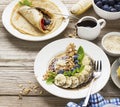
{"points": [[114, 76], [110, 105], [49, 51], [6, 22]]}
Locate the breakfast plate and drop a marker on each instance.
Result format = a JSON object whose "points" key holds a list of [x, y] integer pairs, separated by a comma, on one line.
{"points": [[6, 19], [114, 76], [49, 51]]}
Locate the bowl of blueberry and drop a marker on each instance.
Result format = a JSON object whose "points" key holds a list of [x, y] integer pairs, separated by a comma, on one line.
{"points": [[107, 9]]}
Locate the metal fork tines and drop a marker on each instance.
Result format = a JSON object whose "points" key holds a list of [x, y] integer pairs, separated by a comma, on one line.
{"points": [[96, 74], [98, 65]]}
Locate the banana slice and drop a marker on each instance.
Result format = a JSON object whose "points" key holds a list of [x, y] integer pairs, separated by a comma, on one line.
{"points": [[75, 82], [60, 80], [86, 60], [81, 6], [67, 83], [88, 68], [86, 75], [81, 79]]}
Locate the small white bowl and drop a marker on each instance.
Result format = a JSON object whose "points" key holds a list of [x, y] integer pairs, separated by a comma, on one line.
{"points": [[114, 75], [105, 14], [109, 42]]}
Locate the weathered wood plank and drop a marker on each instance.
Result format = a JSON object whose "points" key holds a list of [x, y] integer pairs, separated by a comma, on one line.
{"points": [[10, 101], [12, 77]]}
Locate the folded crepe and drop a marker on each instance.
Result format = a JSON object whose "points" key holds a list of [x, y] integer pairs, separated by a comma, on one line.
{"points": [[35, 24], [38, 17]]}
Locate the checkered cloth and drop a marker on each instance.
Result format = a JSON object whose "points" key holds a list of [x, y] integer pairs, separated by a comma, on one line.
{"points": [[96, 100]]}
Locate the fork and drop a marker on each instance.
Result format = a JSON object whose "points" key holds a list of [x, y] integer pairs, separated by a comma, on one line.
{"points": [[61, 14], [96, 74]]}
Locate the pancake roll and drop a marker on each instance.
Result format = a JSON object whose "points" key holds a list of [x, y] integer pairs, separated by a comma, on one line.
{"points": [[38, 17]]}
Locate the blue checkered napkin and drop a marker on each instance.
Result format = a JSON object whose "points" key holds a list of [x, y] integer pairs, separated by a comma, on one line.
{"points": [[96, 100]]}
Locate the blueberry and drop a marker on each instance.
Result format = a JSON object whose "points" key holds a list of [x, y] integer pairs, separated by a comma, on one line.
{"points": [[76, 61], [47, 21], [106, 7], [72, 69], [104, 1], [111, 2], [117, 0], [117, 7], [113, 10], [118, 3], [110, 7], [96, 1], [60, 71], [75, 57], [76, 66], [99, 4]]}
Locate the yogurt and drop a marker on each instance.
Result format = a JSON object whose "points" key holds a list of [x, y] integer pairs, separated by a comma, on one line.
{"points": [[112, 43]]}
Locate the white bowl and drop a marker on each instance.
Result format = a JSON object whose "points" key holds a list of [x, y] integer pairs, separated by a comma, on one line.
{"points": [[112, 43], [105, 14]]}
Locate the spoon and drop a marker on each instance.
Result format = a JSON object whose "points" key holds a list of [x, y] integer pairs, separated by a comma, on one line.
{"points": [[118, 60], [41, 9]]}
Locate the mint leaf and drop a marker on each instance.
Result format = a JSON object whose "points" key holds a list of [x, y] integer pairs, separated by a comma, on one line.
{"points": [[50, 80], [80, 53], [20, 3], [73, 72], [68, 73], [25, 2], [51, 77], [81, 68]]}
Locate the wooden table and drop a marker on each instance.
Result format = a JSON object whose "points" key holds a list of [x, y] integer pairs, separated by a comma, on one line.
{"points": [[16, 66]]}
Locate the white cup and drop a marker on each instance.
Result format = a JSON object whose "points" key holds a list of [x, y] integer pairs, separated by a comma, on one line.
{"points": [[89, 27]]}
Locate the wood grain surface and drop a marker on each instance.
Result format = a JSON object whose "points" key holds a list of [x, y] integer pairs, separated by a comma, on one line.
{"points": [[17, 60]]}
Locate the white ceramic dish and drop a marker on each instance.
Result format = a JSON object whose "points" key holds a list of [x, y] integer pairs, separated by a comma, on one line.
{"points": [[93, 32], [114, 76], [110, 105], [6, 22], [112, 53], [49, 51], [105, 14]]}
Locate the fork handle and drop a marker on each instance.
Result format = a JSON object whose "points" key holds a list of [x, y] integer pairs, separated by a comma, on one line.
{"points": [[88, 94]]}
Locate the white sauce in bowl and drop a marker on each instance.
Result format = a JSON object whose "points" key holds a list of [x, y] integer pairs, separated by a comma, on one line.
{"points": [[112, 43]]}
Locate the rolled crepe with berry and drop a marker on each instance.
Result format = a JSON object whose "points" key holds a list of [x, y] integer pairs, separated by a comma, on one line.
{"points": [[38, 17]]}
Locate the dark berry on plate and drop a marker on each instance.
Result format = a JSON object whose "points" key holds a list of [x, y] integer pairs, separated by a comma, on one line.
{"points": [[47, 21], [104, 1], [111, 2], [60, 71], [106, 7], [76, 61], [96, 1], [110, 7], [42, 23], [72, 69], [77, 66], [118, 3], [117, 0], [117, 7], [99, 4], [113, 10], [75, 57]]}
